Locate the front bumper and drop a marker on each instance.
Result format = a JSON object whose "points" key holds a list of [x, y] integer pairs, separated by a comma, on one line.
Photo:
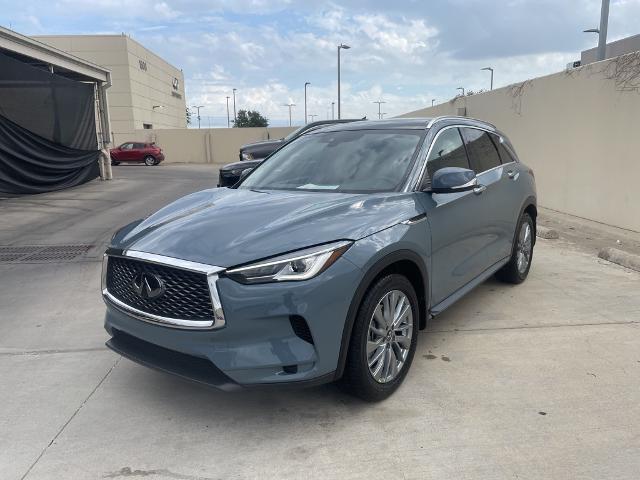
{"points": [[259, 343]]}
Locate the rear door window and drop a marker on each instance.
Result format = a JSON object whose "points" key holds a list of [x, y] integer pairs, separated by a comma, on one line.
{"points": [[505, 155], [483, 155], [447, 151]]}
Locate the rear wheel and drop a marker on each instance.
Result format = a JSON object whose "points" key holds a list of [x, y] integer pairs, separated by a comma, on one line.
{"points": [[149, 160], [114, 162], [383, 340], [517, 269]]}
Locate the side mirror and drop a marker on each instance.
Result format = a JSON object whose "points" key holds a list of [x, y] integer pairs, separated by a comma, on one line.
{"points": [[453, 180]]}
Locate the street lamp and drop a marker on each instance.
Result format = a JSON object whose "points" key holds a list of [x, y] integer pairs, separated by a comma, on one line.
{"points": [[340, 47], [379, 102], [198, 107], [313, 116], [289, 105], [491, 70], [461, 88], [228, 121], [433, 100], [235, 115], [333, 116], [305, 101], [602, 31]]}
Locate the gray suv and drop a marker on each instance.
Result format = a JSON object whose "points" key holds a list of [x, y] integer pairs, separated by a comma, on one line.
{"points": [[325, 261]]}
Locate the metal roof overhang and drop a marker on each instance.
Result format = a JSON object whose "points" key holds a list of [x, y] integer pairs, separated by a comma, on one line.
{"points": [[33, 49]]}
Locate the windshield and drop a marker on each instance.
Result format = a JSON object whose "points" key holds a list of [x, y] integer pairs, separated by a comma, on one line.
{"points": [[340, 161], [294, 133]]}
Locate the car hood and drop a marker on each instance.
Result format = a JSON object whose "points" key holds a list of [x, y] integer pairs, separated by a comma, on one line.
{"points": [[243, 164], [261, 145], [227, 227]]}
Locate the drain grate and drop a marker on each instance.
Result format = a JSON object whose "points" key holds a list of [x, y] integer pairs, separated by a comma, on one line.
{"points": [[42, 253]]}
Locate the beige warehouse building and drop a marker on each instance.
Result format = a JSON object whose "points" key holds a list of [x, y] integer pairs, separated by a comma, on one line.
{"points": [[146, 92]]}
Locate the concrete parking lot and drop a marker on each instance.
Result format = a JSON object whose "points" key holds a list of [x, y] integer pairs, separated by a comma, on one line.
{"points": [[533, 381]]}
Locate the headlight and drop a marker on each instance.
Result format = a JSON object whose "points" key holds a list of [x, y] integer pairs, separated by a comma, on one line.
{"points": [[300, 265], [237, 172], [247, 156]]}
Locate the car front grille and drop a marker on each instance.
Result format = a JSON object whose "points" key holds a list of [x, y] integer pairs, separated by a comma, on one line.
{"points": [[186, 294]]}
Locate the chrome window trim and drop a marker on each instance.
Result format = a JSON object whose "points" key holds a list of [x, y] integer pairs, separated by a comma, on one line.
{"points": [[423, 168], [211, 272]]}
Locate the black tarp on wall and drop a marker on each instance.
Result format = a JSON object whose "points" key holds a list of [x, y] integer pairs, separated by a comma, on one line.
{"points": [[47, 129]]}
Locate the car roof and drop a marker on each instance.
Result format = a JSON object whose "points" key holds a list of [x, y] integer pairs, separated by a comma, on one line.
{"points": [[413, 123]]}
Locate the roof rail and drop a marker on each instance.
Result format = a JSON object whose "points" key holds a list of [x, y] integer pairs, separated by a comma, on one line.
{"points": [[456, 117]]}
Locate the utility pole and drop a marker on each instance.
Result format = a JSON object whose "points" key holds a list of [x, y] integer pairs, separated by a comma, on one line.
{"points": [[340, 47], [235, 115], [306, 84], [601, 52], [289, 105], [228, 121], [604, 23], [491, 70], [333, 116], [198, 107], [379, 102]]}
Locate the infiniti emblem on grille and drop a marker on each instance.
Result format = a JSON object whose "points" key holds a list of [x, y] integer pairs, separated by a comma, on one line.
{"points": [[147, 285]]}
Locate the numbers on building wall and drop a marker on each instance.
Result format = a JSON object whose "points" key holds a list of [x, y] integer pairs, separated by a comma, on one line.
{"points": [[143, 65]]}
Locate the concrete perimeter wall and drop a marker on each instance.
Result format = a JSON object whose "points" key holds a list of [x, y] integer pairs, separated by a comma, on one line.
{"points": [[217, 146], [579, 131]]}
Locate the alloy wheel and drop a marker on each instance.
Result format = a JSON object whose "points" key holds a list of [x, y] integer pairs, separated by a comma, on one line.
{"points": [[525, 245], [389, 336]]}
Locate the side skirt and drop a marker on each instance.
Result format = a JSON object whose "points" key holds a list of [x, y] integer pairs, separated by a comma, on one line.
{"points": [[462, 291]]}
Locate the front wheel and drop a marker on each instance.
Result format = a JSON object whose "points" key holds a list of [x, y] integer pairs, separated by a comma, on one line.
{"points": [[149, 161], [517, 269], [115, 162], [383, 340]]}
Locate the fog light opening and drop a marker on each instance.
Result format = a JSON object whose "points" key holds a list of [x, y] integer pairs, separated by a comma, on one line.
{"points": [[290, 369]]}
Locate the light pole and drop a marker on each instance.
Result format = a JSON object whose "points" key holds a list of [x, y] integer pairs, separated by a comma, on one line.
{"points": [[289, 105], [198, 107], [379, 102], [433, 100], [305, 101], [491, 70], [461, 88], [602, 31], [313, 116], [333, 116], [235, 115], [340, 47], [228, 121]]}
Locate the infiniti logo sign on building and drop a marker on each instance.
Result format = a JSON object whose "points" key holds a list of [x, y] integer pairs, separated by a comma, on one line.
{"points": [[147, 285]]}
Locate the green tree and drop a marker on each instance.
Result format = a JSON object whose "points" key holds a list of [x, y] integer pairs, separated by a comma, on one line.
{"points": [[250, 118]]}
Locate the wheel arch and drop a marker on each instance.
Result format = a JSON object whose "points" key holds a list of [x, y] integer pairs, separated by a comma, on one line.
{"points": [[404, 262]]}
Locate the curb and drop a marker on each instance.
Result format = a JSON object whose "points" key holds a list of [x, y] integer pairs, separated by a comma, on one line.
{"points": [[613, 255], [548, 233]]}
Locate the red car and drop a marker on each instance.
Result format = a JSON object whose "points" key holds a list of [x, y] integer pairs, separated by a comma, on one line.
{"points": [[137, 152]]}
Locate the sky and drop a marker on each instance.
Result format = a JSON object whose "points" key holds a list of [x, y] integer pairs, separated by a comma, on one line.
{"points": [[403, 52]]}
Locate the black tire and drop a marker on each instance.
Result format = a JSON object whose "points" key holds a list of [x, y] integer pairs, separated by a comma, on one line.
{"points": [[113, 162], [149, 161], [511, 273], [358, 379]]}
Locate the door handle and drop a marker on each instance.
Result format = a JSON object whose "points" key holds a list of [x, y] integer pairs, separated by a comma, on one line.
{"points": [[479, 189], [512, 175]]}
